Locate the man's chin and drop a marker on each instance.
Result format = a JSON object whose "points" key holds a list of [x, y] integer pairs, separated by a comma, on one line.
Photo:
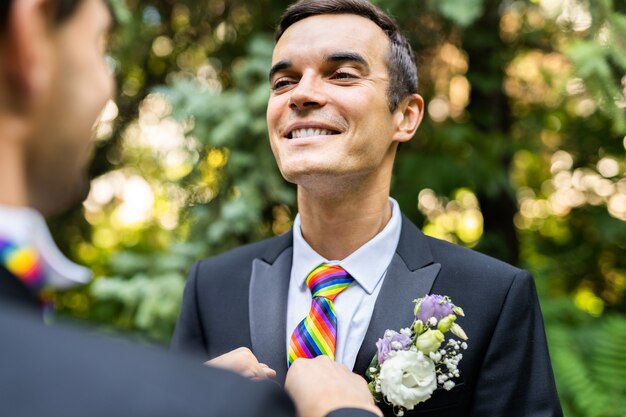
{"points": [[324, 183]]}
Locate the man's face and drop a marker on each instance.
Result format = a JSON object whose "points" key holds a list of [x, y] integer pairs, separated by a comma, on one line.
{"points": [[80, 84], [328, 114]]}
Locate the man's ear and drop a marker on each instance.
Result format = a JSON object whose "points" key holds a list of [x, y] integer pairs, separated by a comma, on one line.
{"points": [[408, 117], [28, 54]]}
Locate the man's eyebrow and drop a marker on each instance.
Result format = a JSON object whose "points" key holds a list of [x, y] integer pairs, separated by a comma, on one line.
{"points": [[347, 57], [279, 66]]}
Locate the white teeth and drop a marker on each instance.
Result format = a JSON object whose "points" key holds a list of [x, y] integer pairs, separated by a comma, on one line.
{"points": [[305, 133]]}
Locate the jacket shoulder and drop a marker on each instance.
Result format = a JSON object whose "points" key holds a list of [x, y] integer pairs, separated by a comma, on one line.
{"points": [[460, 258], [467, 273]]}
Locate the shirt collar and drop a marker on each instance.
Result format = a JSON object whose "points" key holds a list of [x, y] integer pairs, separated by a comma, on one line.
{"points": [[367, 264], [26, 227]]}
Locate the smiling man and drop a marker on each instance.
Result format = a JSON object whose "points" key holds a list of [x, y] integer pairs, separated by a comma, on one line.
{"points": [[343, 97]]}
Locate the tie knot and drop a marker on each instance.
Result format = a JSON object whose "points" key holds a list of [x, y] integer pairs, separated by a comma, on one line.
{"points": [[328, 281]]}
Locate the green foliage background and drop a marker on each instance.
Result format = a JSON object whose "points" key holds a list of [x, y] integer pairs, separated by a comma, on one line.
{"points": [[521, 156]]}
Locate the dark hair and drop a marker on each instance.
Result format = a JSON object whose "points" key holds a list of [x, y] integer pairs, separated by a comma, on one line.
{"points": [[400, 60], [62, 10]]}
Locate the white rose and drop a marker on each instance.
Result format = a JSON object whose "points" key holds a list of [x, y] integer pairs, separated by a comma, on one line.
{"points": [[407, 378]]}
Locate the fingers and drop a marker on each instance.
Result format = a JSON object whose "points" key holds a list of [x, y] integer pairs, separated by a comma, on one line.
{"points": [[269, 372], [308, 380], [320, 363], [243, 362], [258, 371]]}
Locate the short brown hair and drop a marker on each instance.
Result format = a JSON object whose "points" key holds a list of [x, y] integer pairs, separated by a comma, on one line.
{"points": [[401, 65], [62, 10]]}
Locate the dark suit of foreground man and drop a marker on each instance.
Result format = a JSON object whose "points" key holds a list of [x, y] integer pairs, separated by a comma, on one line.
{"points": [[53, 84], [344, 95], [54, 371], [62, 371]]}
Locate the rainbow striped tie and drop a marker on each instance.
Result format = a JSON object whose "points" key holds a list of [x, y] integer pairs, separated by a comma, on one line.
{"points": [[317, 333], [23, 262]]}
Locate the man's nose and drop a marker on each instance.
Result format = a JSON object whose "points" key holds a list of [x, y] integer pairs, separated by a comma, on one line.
{"points": [[308, 94]]}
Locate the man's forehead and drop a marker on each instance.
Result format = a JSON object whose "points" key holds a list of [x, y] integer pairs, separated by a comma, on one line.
{"points": [[330, 33]]}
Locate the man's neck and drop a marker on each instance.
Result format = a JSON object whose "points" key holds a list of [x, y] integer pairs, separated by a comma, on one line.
{"points": [[12, 173], [336, 226]]}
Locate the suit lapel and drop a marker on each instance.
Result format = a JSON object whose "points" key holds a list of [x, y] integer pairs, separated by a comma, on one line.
{"points": [[410, 275], [394, 306], [269, 285]]}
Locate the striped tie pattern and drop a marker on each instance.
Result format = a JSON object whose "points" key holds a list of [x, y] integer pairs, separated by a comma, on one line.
{"points": [[317, 334], [23, 262]]}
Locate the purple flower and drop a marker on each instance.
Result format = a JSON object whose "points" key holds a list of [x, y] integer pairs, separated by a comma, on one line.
{"points": [[435, 306], [392, 341]]}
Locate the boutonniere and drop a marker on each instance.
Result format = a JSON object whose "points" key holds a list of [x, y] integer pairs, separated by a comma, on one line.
{"points": [[411, 364]]}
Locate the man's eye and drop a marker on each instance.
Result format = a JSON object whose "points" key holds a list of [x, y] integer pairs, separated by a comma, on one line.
{"points": [[281, 83], [341, 75]]}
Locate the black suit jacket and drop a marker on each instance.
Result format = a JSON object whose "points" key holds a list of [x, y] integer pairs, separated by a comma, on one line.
{"points": [[63, 371], [239, 298]]}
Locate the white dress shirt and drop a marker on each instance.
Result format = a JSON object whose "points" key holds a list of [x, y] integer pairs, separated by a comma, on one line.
{"points": [[354, 306], [26, 227]]}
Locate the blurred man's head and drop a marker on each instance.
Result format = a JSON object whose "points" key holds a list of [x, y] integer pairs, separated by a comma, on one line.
{"points": [[54, 82], [344, 93]]}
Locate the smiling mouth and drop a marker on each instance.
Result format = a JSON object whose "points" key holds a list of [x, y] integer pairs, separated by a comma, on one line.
{"points": [[305, 133]]}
